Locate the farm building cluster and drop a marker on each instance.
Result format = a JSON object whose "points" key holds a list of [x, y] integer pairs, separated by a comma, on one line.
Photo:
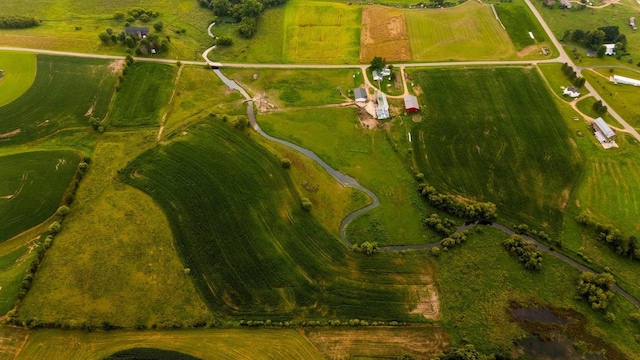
{"points": [[379, 107], [605, 135]]}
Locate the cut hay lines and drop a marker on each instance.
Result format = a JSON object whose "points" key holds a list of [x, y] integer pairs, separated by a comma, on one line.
{"points": [[321, 32], [519, 21], [384, 34], [467, 32], [18, 73], [63, 91], [505, 142]]}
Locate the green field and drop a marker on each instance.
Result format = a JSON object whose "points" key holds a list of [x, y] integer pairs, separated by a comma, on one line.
{"points": [[519, 21], [623, 98], [19, 70], [321, 32], [145, 93], [466, 32], [49, 105], [74, 26], [31, 188], [506, 142]]}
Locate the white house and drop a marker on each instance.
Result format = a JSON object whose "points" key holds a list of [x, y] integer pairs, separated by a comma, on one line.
{"points": [[571, 92], [382, 111], [379, 74], [617, 79], [566, 3], [360, 95], [610, 49], [602, 131]]}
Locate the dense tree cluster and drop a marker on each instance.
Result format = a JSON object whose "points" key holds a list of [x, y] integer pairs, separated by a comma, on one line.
{"points": [[596, 289], [18, 22], [593, 39], [134, 14], [576, 80], [367, 248], [444, 226], [622, 245], [453, 240], [526, 252], [246, 12], [153, 43], [599, 107], [477, 211]]}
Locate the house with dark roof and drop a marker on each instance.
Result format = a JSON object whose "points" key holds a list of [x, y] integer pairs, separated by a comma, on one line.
{"points": [[411, 104], [360, 94], [140, 32]]}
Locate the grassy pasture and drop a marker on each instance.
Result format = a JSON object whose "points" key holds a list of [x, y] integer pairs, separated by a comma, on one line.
{"points": [[74, 26], [321, 32], [48, 105], [384, 34], [203, 344], [19, 72], [31, 187], [466, 32], [116, 248], [292, 88], [481, 269], [506, 142], [623, 98], [518, 20], [556, 78], [144, 95]]}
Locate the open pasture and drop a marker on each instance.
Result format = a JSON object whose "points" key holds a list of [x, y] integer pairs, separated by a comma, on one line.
{"points": [[321, 32], [145, 93], [496, 135], [519, 21], [239, 227], [18, 71], [466, 32], [212, 344], [623, 98], [384, 33], [50, 105], [31, 188]]}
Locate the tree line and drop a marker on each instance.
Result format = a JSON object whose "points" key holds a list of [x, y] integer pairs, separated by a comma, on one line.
{"points": [[18, 22], [614, 238], [486, 211], [245, 12], [594, 39], [525, 251], [577, 81]]}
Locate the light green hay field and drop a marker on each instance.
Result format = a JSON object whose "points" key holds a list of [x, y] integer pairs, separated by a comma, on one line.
{"points": [[204, 344], [625, 99], [19, 72], [116, 248], [556, 78], [145, 93], [61, 18], [466, 32], [319, 32]]}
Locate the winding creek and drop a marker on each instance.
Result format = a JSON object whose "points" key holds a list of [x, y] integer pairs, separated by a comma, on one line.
{"points": [[347, 180]]}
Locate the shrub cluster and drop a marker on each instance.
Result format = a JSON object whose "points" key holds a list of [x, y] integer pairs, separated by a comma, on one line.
{"points": [[576, 80], [444, 226], [244, 11], [452, 241], [477, 211], [622, 245], [140, 46], [596, 289], [599, 108], [367, 248], [18, 22], [466, 352], [526, 252], [134, 14]]}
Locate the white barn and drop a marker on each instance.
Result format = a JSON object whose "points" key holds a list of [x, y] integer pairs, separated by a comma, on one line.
{"points": [[602, 131], [617, 79], [382, 111]]}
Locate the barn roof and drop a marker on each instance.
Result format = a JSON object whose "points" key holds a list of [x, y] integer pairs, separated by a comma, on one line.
{"points": [[606, 130], [410, 102], [359, 93]]}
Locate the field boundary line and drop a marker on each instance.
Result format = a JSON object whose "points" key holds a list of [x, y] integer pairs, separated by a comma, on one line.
{"points": [[169, 104], [495, 13]]}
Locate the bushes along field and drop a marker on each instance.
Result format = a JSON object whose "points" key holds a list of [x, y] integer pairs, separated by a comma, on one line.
{"points": [[505, 123]]}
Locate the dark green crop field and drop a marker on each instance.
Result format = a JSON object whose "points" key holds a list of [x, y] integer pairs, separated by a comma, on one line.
{"points": [[239, 227], [31, 187], [65, 92], [144, 94], [519, 21], [506, 142]]}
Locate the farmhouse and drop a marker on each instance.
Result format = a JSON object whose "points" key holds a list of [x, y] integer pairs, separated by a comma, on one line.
{"points": [[566, 3], [610, 49], [617, 79], [603, 132], [571, 91], [379, 74], [360, 94], [140, 32], [411, 104], [382, 111]]}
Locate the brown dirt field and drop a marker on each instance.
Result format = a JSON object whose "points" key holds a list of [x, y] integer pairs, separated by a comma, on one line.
{"points": [[423, 342], [531, 49], [384, 33]]}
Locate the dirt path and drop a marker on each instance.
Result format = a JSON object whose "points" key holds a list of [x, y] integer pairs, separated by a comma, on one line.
{"points": [[344, 104], [169, 107]]}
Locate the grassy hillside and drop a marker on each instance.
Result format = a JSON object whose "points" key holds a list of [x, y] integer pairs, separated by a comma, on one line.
{"points": [[49, 105], [19, 70], [145, 92], [31, 188], [506, 142]]}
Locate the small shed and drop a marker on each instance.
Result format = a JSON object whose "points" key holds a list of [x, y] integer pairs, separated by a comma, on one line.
{"points": [[382, 111], [571, 91], [566, 3], [603, 131], [360, 94], [411, 104], [140, 32], [610, 49]]}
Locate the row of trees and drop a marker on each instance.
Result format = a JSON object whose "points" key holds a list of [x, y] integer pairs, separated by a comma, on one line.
{"points": [[141, 46], [593, 39], [577, 81], [525, 251], [134, 14], [18, 22], [246, 12], [477, 211], [622, 245]]}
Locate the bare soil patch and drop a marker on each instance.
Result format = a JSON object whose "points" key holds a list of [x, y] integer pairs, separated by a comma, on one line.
{"points": [[531, 49], [116, 66], [366, 120], [384, 33], [423, 342], [427, 299], [10, 134]]}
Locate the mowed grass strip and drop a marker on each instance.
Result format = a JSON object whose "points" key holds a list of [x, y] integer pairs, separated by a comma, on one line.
{"points": [[203, 344], [321, 32], [31, 188], [496, 135], [19, 71], [145, 93], [65, 92], [466, 32]]}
